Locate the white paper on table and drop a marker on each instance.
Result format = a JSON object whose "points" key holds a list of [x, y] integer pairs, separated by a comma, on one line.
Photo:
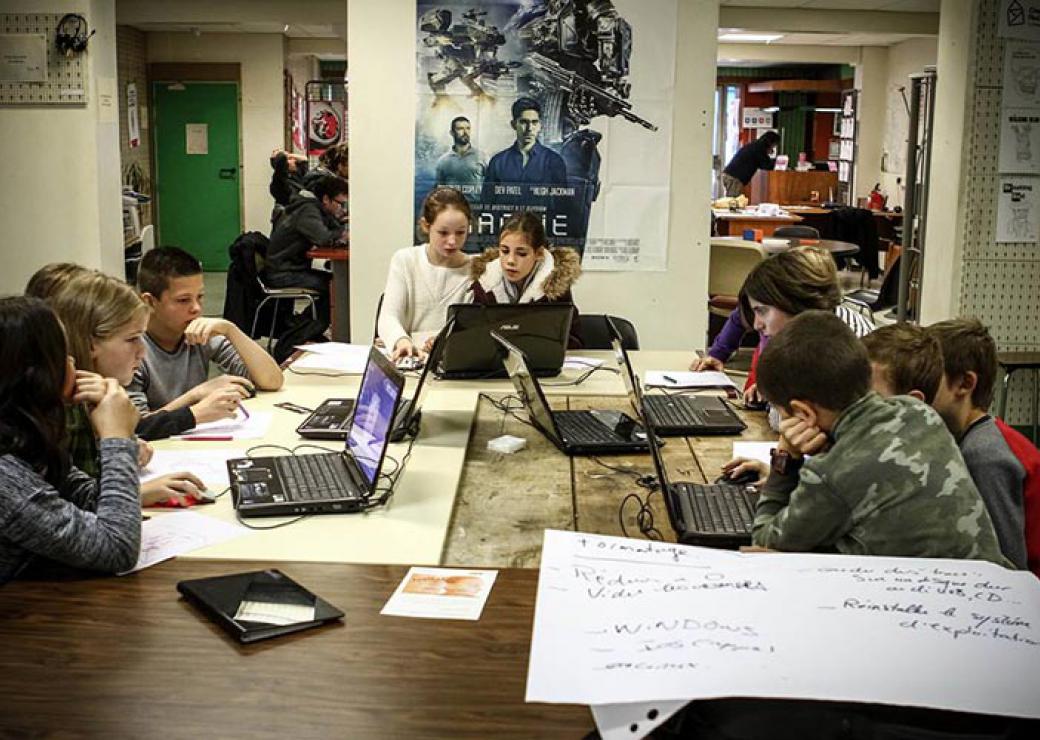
{"points": [[349, 359], [208, 465], [441, 593], [616, 721], [754, 450], [620, 621], [254, 426], [576, 362], [686, 379], [169, 535]]}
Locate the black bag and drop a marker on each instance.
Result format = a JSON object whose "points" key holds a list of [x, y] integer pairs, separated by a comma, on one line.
{"points": [[304, 329]]}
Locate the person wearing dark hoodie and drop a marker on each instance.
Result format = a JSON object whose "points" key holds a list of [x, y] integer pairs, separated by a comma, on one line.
{"points": [[311, 219], [525, 269], [333, 161]]}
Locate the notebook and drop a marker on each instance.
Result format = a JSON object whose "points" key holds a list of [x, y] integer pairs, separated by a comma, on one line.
{"points": [[539, 329], [333, 482], [573, 432], [673, 415], [257, 605]]}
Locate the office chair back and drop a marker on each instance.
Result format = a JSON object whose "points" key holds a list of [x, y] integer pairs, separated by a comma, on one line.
{"points": [[595, 332], [796, 232], [147, 239], [730, 263]]}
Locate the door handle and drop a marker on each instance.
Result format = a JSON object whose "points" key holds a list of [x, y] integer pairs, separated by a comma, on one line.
{"points": [[227, 173]]}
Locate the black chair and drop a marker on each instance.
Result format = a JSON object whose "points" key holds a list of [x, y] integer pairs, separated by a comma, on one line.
{"points": [[595, 332], [796, 232]]}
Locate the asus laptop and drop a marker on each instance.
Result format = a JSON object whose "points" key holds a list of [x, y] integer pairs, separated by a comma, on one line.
{"points": [[326, 483], [540, 330], [678, 416], [331, 419], [714, 515], [573, 432]]}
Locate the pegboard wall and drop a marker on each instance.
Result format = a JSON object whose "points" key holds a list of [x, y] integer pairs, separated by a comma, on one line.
{"points": [[1000, 283], [66, 76]]}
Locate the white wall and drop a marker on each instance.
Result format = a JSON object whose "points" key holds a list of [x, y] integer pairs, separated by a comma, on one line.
{"points": [[668, 308], [61, 199], [261, 60], [871, 77], [904, 59]]}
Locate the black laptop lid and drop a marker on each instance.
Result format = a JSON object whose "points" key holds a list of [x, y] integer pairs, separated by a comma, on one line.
{"points": [[528, 389], [539, 330], [412, 407], [374, 412]]}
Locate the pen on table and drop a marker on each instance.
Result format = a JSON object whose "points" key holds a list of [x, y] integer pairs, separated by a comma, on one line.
{"points": [[209, 438], [243, 410], [670, 379]]}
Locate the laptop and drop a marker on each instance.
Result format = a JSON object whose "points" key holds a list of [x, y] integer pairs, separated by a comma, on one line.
{"points": [[677, 416], [326, 483], [716, 515], [331, 419], [539, 329], [573, 432]]}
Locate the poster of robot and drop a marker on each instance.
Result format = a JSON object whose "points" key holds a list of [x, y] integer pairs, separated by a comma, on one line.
{"points": [[1018, 210], [560, 107]]}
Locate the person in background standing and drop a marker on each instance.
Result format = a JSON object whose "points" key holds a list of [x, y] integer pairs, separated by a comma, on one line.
{"points": [[760, 154]]}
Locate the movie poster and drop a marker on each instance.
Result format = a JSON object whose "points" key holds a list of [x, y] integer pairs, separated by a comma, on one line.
{"points": [[555, 106]]}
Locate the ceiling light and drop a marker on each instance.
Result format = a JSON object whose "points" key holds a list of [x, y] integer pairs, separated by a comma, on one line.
{"points": [[827, 110], [771, 109], [750, 38]]}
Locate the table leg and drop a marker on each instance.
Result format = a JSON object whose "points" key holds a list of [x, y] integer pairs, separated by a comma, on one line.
{"points": [[341, 300]]}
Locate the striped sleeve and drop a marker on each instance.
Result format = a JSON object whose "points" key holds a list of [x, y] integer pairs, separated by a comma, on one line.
{"points": [[861, 326]]}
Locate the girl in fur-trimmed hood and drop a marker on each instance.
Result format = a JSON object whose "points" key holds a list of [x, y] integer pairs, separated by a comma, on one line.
{"points": [[525, 269]]}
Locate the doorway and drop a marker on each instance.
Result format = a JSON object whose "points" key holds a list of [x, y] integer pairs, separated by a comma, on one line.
{"points": [[197, 166]]}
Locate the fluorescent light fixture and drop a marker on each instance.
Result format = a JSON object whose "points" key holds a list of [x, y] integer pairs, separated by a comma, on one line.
{"points": [[827, 110], [750, 38], [771, 109]]}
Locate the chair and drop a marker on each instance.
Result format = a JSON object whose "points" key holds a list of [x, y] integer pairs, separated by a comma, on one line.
{"points": [[595, 332], [884, 297], [730, 263], [136, 252], [1009, 363], [796, 232], [147, 239], [275, 295]]}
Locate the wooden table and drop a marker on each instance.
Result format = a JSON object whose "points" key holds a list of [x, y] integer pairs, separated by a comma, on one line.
{"points": [[835, 247], [340, 259], [734, 223], [127, 657]]}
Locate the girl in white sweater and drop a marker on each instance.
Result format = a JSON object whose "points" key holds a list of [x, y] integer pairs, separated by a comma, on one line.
{"points": [[423, 281]]}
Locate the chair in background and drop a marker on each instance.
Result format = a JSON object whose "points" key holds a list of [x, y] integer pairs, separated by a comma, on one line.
{"points": [[730, 263], [136, 252], [881, 299], [1011, 362], [147, 240], [595, 332], [796, 232], [274, 296]]}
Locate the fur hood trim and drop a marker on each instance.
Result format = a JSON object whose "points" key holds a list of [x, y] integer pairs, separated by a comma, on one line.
{"points": [[559, 278]]}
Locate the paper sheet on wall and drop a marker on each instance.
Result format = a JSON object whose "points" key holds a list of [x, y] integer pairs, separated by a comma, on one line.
{"points": [[620, 620], [1021, 75], [169, 535], [1019, 19], [1018, 210], [1020, 141]]}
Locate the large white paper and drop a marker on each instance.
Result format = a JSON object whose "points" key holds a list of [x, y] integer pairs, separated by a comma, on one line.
{"points": [[169, 535], [208, 465], [1021, 75], [345, 358], [1020, 141], [441, 593], [253, 426], [620, 620], [754, 450], [1018, 209], [686, 379]]}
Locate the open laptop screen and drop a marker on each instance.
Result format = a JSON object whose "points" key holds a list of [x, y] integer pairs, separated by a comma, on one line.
{"points": [[527, 387], [373, 416]]}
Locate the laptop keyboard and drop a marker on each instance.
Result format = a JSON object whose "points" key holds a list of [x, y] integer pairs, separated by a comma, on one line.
{"points": [[721, 508], [672, 412], [582, 426], [309, 477]]}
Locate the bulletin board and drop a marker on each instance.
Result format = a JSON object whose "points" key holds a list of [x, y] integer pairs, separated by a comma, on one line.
{"points": [[66, 76]]}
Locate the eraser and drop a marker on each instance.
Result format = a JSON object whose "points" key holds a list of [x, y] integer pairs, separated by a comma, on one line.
{"points": [[507, 444]]}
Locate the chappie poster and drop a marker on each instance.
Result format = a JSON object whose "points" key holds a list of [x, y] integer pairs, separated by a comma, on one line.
{"points": [[559, 107]]}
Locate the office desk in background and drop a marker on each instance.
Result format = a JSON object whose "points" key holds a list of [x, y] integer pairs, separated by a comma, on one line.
{"points": [[733, 223], [340, 293], [127, 657]]}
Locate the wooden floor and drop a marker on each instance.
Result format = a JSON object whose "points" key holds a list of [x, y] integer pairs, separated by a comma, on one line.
{"points": [[504, 501]]}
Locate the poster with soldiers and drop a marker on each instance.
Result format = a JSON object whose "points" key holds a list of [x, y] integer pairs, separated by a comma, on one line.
{"points": [[560, 107]]}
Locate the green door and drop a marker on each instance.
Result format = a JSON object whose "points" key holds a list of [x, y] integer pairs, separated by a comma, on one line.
{"points": [[196, 163]]}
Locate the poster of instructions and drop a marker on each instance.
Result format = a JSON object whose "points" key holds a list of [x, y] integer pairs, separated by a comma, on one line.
{"points": [[1020, 141], [1018, 210]]}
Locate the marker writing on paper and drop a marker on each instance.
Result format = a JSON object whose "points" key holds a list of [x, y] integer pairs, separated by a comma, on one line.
{"points": [[670, 379]]}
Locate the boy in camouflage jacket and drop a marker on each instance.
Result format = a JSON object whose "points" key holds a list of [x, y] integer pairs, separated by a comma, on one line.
{"points": [[885, 477]]}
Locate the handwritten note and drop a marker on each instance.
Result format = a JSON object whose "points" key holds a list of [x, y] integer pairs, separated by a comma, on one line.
{"points": [[621, 620], [167, 536]]}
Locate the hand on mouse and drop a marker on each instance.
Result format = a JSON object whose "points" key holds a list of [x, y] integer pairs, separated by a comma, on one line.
{"points": [[175, 489], [745, 470]]}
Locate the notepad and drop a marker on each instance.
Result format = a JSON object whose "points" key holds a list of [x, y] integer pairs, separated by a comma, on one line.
{"points": [[686, 379]]}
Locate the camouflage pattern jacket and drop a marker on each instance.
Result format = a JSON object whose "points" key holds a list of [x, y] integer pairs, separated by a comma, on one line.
{"points": [[892, 483]]}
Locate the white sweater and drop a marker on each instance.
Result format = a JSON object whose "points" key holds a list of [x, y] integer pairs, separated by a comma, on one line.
{"points": [[417, 295]]}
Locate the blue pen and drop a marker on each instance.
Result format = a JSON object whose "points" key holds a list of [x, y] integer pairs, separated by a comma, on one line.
{"points": [[670, 379]]}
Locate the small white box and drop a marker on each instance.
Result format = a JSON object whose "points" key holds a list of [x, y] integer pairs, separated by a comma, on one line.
{"points": [[507, 444]]}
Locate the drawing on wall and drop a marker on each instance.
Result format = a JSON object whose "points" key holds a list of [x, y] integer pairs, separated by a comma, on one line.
{"points": [[1019, 19], [1021, 75], [1018, 210], [560, 108], [1020, 141]]}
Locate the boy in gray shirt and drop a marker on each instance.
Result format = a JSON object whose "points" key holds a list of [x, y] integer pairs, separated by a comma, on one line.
{"points": [[180, 344]]}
